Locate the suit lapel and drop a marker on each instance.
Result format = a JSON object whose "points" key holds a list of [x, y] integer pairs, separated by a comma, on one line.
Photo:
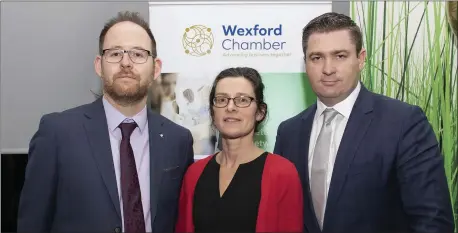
{"points": [[305, 131], [97, 132], [157, 156], [357, 125]]}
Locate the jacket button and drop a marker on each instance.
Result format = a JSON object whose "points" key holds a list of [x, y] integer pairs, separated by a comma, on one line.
{"points": [[117, 230]]}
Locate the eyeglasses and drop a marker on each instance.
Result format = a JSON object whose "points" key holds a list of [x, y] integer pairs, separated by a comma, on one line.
{"points": [[239, 101], [138, 56]]}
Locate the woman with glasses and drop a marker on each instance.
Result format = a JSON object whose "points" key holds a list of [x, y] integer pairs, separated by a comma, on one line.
{"points": [[242, 188]]}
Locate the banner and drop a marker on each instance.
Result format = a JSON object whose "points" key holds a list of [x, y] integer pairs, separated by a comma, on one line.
{"points": [[197, 40]]}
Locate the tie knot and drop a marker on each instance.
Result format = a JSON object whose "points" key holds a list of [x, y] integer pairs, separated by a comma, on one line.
{"points": [[329, 115], [127, 129]]}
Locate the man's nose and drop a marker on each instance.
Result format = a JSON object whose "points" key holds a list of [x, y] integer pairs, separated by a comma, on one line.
{"points": [[329, 67], [125, 61]]}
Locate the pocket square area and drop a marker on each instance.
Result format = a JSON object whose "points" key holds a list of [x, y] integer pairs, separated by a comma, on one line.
{"points": [[171, 168], [173, 172]]}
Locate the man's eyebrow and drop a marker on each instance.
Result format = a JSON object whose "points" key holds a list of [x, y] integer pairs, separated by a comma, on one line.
{"points": [[332, 52]]}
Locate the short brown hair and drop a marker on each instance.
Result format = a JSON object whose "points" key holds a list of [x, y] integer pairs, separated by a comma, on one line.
{"points": [[133, 17], [330, 22]]}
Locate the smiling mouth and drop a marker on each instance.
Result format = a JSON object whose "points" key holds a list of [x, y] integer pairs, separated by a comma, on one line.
{"points": [[231, 120]]}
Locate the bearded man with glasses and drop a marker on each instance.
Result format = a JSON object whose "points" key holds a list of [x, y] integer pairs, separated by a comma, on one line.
{"points": [[112, 165]]}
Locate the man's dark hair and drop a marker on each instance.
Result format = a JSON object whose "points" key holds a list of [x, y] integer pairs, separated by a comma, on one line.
{"points": [[330, 22], [133, 17], [253, 77]]}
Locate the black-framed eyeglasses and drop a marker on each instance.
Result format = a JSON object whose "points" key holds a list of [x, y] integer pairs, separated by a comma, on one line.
{"points": [[239, 101], [138, 56]]}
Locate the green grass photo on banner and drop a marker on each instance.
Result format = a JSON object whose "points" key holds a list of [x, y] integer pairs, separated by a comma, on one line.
{"points": [[286, 95]]}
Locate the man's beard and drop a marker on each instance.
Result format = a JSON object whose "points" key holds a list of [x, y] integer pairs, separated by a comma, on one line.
{"points": [[122, 95]]}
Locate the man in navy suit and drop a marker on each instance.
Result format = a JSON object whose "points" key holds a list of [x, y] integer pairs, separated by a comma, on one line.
{"points": [[112, 165], [368, 163]]}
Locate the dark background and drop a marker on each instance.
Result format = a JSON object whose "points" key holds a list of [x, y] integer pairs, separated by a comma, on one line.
{"points": [[13, 171]]}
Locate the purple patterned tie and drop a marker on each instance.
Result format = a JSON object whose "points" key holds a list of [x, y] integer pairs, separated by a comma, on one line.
{"points": [[134, 221]]}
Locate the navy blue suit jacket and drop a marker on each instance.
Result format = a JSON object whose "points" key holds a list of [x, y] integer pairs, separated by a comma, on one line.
{"points": [[388, 175], [70, 183]]}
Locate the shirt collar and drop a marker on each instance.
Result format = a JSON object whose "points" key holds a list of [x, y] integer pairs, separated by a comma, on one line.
{"points": [[115, 117], [344, 107]]}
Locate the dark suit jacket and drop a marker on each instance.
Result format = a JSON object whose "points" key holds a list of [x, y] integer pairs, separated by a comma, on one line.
{"points": [[70, 183], [388, 175]]}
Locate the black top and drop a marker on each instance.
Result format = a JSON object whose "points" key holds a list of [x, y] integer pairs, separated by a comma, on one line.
{"points": [[237, 209]]}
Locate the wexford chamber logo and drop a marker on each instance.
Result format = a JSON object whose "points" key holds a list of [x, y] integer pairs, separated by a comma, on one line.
{"points": [[234, 40], [254, 41], [198, 40]]}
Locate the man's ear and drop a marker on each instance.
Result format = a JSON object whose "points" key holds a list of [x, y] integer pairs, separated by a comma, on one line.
{"points": [[362, 59], [98, 65], [157, 68]]}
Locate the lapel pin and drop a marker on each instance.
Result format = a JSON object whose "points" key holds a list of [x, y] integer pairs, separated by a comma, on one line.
{"points": [[162, 135]]}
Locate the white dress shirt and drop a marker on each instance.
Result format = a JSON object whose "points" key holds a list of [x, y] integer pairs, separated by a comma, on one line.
{"points": [[338, 127], [140, 145]]}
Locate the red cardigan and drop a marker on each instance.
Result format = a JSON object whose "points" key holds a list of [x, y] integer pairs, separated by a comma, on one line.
{"points": [[281, 205]]}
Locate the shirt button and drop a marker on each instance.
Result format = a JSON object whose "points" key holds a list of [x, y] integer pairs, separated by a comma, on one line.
{"points": [[117, 230]]}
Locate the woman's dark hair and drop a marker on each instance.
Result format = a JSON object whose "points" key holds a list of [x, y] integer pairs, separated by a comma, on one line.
{"points": [[251, 75]]}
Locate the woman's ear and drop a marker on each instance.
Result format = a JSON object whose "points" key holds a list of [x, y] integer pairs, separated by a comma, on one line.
{"points": [[261, 112]]}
